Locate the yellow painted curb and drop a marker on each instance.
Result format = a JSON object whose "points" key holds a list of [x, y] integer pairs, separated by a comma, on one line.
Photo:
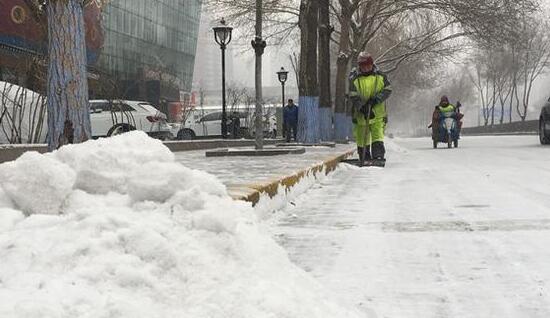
{"points": [[252, 192]]}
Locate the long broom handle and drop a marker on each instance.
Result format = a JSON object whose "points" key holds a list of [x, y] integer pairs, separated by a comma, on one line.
{"points": [[367, 130]]}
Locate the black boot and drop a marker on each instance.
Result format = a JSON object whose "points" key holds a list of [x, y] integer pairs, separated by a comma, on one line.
{"points": [[378, 150], [367, 153]]}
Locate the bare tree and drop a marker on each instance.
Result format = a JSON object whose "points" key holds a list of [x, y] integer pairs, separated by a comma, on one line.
{"points": [[68, 108], [534, 59], [22, 114], [482, 79], [280, 17], [503, 84], [259, 45], [236, 96], [308, 117], [295, 62], [325, 100], [509, 71], [22, 110]]}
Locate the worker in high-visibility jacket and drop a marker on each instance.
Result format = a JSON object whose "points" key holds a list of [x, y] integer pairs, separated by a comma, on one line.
{"points": [[368, 91], [444, 105]]}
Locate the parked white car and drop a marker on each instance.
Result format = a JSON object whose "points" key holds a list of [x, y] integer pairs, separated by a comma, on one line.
{"points": [[23, 117], [206, 122], [109, 118]]}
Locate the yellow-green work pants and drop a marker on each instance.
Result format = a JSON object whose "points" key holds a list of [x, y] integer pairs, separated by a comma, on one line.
{"points": [[376, 131]]}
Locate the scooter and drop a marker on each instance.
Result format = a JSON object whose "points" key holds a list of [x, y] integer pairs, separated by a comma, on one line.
{"points": [[448, 130]]}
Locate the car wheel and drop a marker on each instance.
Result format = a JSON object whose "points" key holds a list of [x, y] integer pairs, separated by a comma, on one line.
{"points": [[186, 134], [119, 129], [543, 136]]}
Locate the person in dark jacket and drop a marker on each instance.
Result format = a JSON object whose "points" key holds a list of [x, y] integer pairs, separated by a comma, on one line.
{"points": [[235, 125], [434, 125], [290, 120]]}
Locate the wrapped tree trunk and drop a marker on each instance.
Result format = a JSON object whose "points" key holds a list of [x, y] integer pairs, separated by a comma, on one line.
{"points": [[325, 101], [342, 118], [68, 108], [308, 107]]}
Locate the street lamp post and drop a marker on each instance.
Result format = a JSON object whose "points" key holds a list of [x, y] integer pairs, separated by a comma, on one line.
{"points": [[283, 75], [222, 35]]}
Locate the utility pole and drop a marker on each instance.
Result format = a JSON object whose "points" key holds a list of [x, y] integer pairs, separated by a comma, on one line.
{"points": [[259, 45]]}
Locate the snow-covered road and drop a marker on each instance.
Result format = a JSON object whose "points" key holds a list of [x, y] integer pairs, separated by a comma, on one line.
{"points": [[438, 233]]}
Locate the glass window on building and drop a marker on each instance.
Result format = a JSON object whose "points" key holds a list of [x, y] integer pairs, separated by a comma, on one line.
{"points": [[151, 35]]}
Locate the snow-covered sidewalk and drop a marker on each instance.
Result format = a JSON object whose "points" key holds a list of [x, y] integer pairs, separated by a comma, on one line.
{"points": [[247, 170], [437, 233]]}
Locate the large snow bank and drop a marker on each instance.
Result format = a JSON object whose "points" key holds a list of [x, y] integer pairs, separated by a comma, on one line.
{"points": [[116, 228]]}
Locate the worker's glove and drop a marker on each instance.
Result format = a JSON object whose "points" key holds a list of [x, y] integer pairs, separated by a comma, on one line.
{"points": [[366, 109]]}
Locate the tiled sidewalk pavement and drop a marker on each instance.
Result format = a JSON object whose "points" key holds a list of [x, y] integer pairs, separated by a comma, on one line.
{"points": [[252, 172]]}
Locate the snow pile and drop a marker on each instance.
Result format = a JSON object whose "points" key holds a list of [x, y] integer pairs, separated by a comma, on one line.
{"points": [[116, 228]]}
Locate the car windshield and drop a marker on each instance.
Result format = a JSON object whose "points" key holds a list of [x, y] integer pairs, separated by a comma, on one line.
{"points": [[110, 106], [148, 107], [212, 117]]}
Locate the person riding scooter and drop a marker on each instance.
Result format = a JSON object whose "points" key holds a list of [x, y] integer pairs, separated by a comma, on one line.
{"points": [[444, 105], [444, 123]]}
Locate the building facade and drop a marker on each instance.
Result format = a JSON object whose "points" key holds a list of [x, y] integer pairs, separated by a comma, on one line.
{"points": [[137, 49], [23, 40], [150, 46]]}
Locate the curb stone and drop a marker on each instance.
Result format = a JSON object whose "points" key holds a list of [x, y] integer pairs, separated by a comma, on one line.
{"points": [[252, 192]]}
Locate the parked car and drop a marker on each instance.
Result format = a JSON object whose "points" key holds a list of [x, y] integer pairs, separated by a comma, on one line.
{"points": [[109, 118], [544, 124], [23, 116], [206, 122]]}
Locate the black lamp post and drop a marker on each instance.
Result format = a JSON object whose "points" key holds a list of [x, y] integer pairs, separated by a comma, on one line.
{"points": [[222, 35], [283, 75]]}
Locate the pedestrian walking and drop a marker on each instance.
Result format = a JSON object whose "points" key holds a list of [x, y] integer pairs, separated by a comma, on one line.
{"points": [[235, 125], [290, 120]]}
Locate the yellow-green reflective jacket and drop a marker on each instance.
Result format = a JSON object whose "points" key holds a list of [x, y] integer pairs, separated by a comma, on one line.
{"points": [[447, 109], [366, 86]]}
